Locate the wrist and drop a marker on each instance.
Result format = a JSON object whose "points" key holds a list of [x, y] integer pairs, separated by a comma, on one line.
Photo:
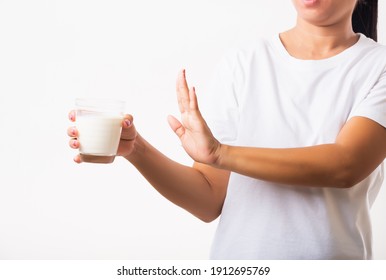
{"points": [[221, 156], [138, 149]]}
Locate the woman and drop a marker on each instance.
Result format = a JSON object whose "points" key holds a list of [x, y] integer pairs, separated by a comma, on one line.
{"points": [[291, 154]]}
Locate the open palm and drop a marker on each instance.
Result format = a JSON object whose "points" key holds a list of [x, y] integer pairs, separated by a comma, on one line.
{"points": [[195, 135]]}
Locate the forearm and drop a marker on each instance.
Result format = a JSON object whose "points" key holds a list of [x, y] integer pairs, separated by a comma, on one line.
{"points": [[185, 186], [319, 166]]}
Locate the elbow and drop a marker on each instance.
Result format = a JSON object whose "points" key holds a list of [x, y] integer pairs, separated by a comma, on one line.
{"points": [[346, 183], [208, 217], [347, 176], [207, 220]]}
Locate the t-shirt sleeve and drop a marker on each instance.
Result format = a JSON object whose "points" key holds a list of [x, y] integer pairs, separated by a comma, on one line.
{"points": [[219, 105], [373, 106]]}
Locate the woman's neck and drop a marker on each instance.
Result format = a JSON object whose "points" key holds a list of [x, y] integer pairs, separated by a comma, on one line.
{"points": [[307, 41]]}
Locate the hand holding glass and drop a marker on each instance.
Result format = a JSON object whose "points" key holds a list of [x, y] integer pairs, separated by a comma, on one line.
{"points": [[99, 125]]}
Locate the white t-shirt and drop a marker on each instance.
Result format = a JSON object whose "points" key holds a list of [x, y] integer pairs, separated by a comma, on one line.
{"points": [[263, 97]]}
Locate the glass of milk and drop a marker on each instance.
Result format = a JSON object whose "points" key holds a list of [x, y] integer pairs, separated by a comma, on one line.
{"points": [[99, 124]]}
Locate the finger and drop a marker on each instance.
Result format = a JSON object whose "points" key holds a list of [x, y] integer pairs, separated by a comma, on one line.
{"points": [[128, 129], [77, 159], [72, 116], [127, 121], [193, 104], [74, 143], [182, 92], [72, 131], [176, 126]]}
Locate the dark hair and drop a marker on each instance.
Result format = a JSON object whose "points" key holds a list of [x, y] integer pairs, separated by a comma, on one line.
{"points": [[365, 18]]}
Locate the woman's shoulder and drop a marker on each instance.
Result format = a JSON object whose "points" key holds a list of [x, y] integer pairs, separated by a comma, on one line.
{"points": [[256, 45], [250, 50], [372, 47], [371, 55]]}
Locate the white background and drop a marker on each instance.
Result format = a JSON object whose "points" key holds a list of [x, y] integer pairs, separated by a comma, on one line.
{"points": [[56, 50]]}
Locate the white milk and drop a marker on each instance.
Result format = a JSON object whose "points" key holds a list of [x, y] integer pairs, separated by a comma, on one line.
{"points": [[99, 134]]}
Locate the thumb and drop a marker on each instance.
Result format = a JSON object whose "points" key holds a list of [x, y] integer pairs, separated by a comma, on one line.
{"points": [[128, 129], [176, 125]]}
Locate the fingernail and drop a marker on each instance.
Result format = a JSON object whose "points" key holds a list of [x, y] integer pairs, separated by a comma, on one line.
{"points": [[75, 143], [73, 131], [76, 159], [71, 116], [127, 122]]}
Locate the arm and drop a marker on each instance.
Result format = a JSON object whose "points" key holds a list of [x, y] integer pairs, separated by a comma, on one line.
{"points": [[359, 148], [200, 190]]}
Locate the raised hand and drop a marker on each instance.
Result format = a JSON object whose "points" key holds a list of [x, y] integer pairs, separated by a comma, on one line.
{"points": [[195, 135]]}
